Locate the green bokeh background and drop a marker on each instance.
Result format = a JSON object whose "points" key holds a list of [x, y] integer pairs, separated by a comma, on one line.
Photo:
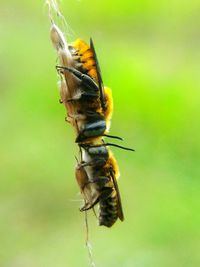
{"points": [[149, 53]]}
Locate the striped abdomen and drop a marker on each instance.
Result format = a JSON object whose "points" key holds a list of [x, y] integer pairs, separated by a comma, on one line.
{"points": [[108, 210]]}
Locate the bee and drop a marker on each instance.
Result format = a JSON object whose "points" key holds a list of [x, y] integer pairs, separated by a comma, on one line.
{"points": [[92, 101], [101, 169]]}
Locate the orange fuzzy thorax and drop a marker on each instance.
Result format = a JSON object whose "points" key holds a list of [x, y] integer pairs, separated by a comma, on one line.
{"points": [[86, 57]]}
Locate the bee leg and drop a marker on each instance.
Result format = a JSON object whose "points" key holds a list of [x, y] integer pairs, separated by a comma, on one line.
{"points": [[77, 116], [71, 118], [84, 78], [88, 93], [113, 136], [80, 96], [94, 199], [88, 205], [104, 194], [95, 162], [60, 101], [100, 181], [67, 119]]}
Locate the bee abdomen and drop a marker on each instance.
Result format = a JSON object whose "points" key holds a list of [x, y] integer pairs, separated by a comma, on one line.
{"points": [[92, 129], [108, 211]]}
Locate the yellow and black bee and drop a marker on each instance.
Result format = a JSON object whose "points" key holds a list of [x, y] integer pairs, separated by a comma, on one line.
{"points": [[102, 172], [92, 101]]}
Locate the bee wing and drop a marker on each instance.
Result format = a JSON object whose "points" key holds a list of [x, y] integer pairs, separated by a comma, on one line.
{"points": [[120, 211], [100, 81]]}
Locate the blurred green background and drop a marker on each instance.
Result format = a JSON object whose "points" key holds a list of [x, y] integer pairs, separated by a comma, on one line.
{"points": [[149, 53]]}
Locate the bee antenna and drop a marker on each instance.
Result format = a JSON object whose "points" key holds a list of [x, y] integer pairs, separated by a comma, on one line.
{"points": [[122, 147], [114, 137]]}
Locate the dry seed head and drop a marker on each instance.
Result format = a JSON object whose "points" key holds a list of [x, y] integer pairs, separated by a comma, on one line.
{"points": [[57, 38], [63, 89], [54, 5], [65, 58]]}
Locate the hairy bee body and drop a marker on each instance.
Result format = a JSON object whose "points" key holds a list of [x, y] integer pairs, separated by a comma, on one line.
{"points": [[94, 115], [88, 65], [84, 56], [86, 99], [108, 210], [102, 172]]}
